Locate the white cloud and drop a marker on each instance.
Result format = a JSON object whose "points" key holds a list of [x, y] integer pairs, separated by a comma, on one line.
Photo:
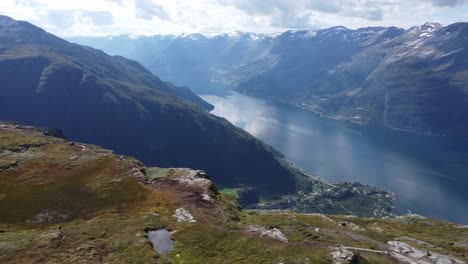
{"points": [[448, 2], [148, 9], [112, 17]]}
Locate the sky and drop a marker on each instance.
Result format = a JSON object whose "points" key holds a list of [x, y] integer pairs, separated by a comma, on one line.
{"points": [[68, 18]]}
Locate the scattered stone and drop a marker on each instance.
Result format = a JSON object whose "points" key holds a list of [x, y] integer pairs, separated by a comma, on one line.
{"points": [[48, 216], [342, 256], [355, 227], [206, 197], [202, 175], [183, 215], [273, 233], [8, 165], [196, 180], [83, 147], [463, 244], [376, 228], [54, 235], [409, 254], [138, 171], [419, 242]]}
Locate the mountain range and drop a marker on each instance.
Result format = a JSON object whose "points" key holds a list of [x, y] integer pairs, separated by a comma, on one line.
{"points": [[65, 198], [116, 103], [415, 79]]}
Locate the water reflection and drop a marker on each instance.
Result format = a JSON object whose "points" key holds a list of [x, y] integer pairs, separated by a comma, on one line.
{"points": [[161, 240], [428, 173]]}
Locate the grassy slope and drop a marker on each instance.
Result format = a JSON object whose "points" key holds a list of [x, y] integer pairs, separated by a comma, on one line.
{"points": [[74, 203]]}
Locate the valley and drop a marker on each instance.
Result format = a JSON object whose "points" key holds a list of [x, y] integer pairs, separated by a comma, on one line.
{"points": [[333, 145], [426, 172], [411, 79], [116, 103], [404, 88]]}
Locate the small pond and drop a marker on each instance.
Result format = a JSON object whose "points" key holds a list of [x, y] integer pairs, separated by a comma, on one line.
{"points": [[161, 240]]}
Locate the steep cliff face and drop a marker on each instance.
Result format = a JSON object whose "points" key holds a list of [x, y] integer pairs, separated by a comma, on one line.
{"points": [[63, 202], [40, 56], [117, 103]]}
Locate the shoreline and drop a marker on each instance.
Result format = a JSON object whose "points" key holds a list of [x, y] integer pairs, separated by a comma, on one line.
{"points": [[347, 120]]}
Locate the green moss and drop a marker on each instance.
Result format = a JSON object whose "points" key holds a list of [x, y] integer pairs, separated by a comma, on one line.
{"points": [[9, 139], [158, 173], [200, 244], [112, 237], [230, 192], [70, 194]]}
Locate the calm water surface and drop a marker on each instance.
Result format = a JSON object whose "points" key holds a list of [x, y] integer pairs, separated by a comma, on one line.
{"points": [[161, 240], [428, 173]]}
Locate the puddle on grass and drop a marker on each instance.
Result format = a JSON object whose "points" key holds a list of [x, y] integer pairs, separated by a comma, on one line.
{"points": [[161, 240]]}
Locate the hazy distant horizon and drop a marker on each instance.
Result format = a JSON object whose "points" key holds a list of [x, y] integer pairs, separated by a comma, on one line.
{"points": [[155, 17], [136, 36]]}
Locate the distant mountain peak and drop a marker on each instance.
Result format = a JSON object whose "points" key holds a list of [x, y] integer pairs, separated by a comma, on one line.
{"points": [[193, 36], [432, 25], [303, 33], [338, 28], [427, 27]]}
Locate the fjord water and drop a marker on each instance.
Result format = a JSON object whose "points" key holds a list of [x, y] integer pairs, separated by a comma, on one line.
{"points": [[428, 173]]}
